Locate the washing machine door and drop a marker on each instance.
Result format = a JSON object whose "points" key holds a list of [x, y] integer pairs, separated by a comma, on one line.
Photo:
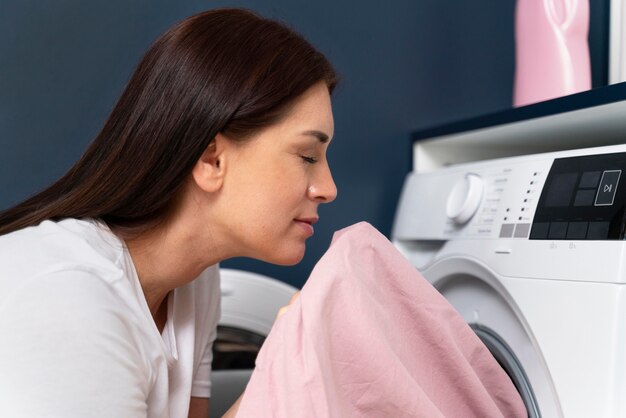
{"points": [[481, 298], [250, 302]]}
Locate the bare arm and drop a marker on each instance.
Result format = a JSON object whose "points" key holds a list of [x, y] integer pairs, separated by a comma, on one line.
{"points": [[198, 407]]}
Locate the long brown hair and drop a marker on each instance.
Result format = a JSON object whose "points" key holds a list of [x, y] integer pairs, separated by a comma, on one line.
{"points": [[225, 70]]}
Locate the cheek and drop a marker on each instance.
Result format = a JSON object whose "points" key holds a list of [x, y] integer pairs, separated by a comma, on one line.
{"points": [[283, 186], [267, 193]]}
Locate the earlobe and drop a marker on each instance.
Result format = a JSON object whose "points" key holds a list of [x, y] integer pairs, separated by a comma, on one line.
{"points": [[208, 173]]}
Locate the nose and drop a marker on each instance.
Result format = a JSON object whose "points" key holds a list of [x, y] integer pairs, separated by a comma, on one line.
{"points": [[323, 188]]}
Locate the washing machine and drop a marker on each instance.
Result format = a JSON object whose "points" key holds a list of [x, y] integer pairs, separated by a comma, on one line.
{"points": [[530, 250], [250, 303]]}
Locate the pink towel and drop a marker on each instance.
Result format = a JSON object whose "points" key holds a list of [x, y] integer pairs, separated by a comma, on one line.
{"points": [[370, 337]]}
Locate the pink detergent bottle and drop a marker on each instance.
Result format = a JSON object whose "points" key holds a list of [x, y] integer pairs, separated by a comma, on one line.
{"points": [[552, 53]]}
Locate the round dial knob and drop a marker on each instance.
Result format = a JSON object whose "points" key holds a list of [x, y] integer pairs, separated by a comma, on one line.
{"points": [[465, 198]]}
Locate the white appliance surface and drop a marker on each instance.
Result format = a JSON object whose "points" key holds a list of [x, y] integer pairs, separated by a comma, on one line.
{"points": [[523, 248], [250, 301]]}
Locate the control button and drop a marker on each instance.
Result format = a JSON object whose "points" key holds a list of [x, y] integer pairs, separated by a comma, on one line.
{"points": [[598, 230], [464, 199], [584, 197], [577, 230], [521, 230], [589, 180], [506, 231], [540, 230], [561, 189], [558, 230], [608, 187]]}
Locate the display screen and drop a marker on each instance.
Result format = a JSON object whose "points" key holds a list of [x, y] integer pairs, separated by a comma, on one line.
{"points": [[582, 199]]}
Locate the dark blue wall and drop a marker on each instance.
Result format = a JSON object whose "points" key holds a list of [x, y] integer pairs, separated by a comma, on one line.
{"points": [[405, 65]]}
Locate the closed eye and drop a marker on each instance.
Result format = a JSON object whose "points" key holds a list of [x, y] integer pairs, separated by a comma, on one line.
{"points": [[309, 160]]}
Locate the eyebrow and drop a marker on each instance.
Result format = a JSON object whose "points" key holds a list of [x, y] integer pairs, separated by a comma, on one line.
{"points": [[317, 134]]}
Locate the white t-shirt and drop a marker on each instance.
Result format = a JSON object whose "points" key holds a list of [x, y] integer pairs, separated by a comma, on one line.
{"points": [[77, 338]]}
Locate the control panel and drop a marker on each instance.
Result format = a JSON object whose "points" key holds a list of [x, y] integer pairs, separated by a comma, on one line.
{"points": [[567, 195], [583, 199]]}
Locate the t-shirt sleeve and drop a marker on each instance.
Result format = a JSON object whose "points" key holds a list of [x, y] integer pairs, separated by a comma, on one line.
{"points": [[67, 349], [210, 297]]}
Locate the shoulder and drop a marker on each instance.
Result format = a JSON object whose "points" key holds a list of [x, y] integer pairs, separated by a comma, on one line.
{"points": [[51, 246], [68, 313], [71, 313], [64, 300], [64, 276]]}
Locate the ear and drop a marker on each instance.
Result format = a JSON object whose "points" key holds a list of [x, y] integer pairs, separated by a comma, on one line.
{"points": [[208, 173]]}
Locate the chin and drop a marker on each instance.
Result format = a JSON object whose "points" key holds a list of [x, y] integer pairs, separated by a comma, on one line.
{"points": [[288, 258]]}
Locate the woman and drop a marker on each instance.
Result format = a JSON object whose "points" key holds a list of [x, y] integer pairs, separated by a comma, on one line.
{"points": [[109, 290]]}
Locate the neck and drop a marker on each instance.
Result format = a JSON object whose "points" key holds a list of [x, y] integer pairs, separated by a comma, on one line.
{"points": [[166, 259], [176, 251]]}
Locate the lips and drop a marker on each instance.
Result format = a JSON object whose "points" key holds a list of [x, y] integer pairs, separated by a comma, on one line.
{"points": [[307, 224]]}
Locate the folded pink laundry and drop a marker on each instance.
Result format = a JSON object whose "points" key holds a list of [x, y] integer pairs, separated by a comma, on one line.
{"points": [[370, 337]]}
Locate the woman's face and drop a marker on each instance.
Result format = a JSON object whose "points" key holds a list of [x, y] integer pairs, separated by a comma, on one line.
{"points": [[275, 182]]}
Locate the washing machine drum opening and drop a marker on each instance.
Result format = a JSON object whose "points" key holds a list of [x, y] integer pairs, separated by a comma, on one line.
{"points": [[511, 365], [235, 348]]}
